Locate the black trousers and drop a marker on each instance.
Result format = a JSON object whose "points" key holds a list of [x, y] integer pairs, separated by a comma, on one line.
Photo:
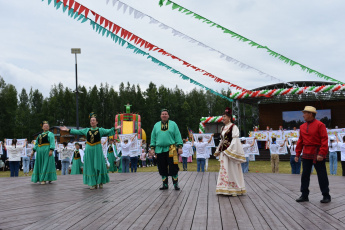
{"points": [[322, 177], [166, 166]]}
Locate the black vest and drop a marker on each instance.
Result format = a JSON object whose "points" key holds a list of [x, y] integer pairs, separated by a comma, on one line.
{"points": [[93, 136]]}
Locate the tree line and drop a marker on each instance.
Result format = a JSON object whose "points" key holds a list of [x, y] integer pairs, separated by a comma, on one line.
{"points": [[22, 112]]}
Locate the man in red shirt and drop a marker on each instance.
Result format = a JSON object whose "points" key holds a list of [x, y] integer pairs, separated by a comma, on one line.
{"points": [[313, 141]]}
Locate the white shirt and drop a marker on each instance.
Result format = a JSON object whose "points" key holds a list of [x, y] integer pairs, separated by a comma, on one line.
{"points": [[245, 146], [292, 149], [200, 149], [342, 150], [125, 148], [274, 148], [186, 150], [334, 147]]}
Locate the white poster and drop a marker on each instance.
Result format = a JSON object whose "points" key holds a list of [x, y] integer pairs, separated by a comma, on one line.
{"points": [[251, 157], [253, 150], [104, 145], [282, 150], [334, 131], [341, 136], [20, 142], [134, 145], [290, 134], [205, 138], [277, 134], [260, 135]]}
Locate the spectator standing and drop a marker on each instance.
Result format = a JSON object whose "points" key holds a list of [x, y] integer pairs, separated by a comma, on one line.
{"points": [[201, 152], [14, 155]]}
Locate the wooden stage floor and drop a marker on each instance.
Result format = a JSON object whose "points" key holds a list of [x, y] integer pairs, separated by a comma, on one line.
{"points": [[133, 201]]}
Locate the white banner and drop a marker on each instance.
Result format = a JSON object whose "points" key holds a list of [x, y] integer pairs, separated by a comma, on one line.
{"points": [[252, 150], [260, 135], [134, 145], [205, 138], [14, 153], [290, 134]]}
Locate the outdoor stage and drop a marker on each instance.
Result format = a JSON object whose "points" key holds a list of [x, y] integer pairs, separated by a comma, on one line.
{"points": [[133, 201]]}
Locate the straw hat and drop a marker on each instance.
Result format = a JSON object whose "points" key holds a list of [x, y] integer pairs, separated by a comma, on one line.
{"points": [[310, 109]]}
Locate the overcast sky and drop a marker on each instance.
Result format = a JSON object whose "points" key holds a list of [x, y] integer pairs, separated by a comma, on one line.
{"points": [[36, 41]]}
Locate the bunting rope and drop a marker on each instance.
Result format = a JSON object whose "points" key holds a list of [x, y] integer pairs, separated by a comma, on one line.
{"points": [[289, 91], [138, 14], [129, 36], [74, 13], [247, 40]]}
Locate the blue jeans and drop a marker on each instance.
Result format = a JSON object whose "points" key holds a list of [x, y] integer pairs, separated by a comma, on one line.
{"points": [[134, 164], [245, 165], [64, 166], [125, 164], [295, 166], [14, 168], [26, 162], [200, 164], [32, 163], [184, 162], [333, 162]]}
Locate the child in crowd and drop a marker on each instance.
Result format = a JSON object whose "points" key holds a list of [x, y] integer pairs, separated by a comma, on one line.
{"points": [[245, 146], [333, 158], [143, 158], [274, 149], [295, 166], [187, 151]]}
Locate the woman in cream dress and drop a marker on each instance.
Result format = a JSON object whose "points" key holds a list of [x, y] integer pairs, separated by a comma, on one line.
{"points": [[231, 155]]}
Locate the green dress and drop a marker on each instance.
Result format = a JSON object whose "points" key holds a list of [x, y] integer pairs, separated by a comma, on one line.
{"points": [[95, 169], [76, 163], [111, 159], [44, 169]]}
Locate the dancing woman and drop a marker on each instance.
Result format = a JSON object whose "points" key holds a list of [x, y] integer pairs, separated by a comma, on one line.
{"points": [[95, 170], [77, 160], [44, 169], [231, 155]]}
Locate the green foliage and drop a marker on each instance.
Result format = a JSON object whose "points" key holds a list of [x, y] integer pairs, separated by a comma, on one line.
{"points": [[23, 113]]}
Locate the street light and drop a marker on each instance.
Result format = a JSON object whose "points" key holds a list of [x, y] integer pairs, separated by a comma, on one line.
{"points": [[76, 51]]}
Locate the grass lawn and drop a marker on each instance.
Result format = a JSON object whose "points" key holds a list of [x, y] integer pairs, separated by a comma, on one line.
{"points": [[213, 166]]}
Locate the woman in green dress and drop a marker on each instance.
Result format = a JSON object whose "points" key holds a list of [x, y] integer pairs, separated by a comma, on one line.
{"points": [[111, 156], [95, 170], [44, 169], [77, 162]]}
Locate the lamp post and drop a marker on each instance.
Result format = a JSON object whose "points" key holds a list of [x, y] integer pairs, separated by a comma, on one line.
{"points": [[76, 51]]}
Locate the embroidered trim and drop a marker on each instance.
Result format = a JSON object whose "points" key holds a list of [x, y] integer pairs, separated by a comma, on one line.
{"points": [[96, 143], [235, 156], [43, 144]]}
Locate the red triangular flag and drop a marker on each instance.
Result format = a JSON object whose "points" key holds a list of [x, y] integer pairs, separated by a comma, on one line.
{"points": [[101, 20], [65, 2], [70, 4], [110, 25], [81, 9], [76, 7], [86, 12], [106, 23], [96, 16]]}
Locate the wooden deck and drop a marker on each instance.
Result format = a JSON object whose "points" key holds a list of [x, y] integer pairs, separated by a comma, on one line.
{"points": [[133, 201]]}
